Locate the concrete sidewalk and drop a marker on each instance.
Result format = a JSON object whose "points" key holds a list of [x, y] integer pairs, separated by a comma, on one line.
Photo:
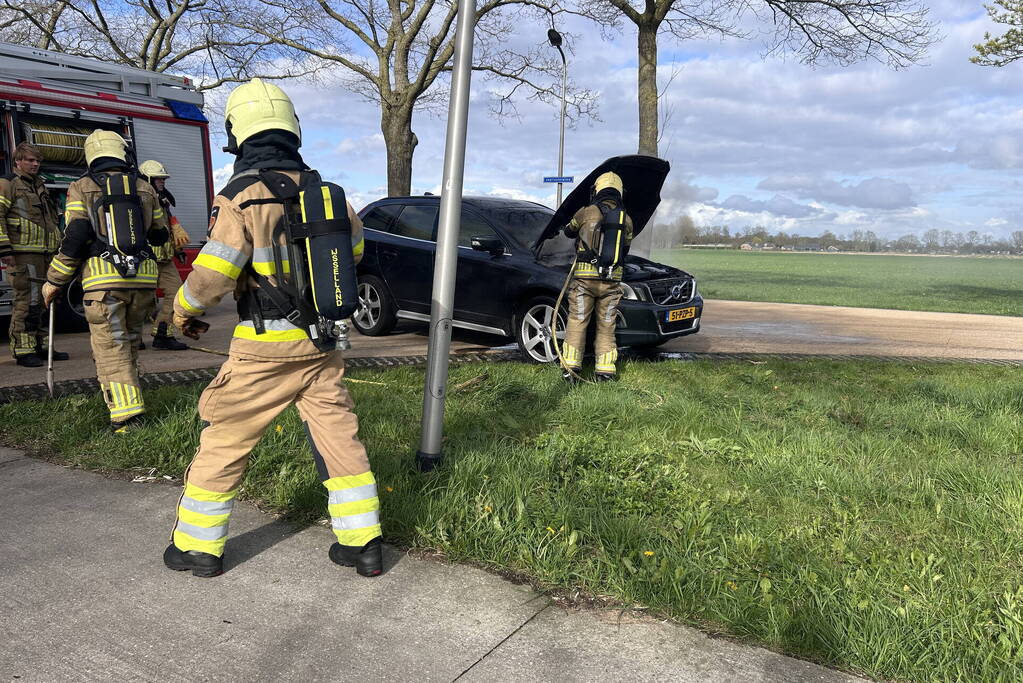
{"points": [[84, 596]]}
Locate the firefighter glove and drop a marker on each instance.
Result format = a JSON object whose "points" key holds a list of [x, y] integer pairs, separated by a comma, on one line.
{"points": [[50, 293], [179, 235], [190, 327]]}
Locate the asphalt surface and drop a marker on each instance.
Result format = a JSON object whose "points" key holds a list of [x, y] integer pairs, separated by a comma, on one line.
{"points": [[727, 327], [84, 596]]}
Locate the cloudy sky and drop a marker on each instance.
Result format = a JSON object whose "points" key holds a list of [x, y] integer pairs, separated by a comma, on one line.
{"points": [[751, 141]]}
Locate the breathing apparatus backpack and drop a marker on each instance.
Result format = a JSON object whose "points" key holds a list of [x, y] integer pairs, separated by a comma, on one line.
{"points": [[315, 235], [125, 245]]}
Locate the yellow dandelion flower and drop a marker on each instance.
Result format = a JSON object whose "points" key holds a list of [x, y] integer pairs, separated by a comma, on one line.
{"points": [[648, 553], [551, 529], [731, 585], [488, 508], [389, 489], [279, 429], [905, 589]]}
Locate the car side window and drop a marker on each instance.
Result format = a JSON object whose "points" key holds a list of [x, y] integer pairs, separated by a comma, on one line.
{"points": [[416, 222], [473, 226], [381, 217]]}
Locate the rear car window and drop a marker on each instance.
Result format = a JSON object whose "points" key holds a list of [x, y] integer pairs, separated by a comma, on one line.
{"points": [[381, 217], [416, 222]]}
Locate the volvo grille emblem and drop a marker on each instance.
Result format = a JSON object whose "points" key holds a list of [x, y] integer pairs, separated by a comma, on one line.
{"points": [[676, 292]]}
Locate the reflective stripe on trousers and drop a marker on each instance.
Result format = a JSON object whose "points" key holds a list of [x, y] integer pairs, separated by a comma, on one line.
{"points": [[354, 508], [203, 518]]}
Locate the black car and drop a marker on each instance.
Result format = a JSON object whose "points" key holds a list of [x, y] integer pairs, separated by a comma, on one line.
{"points": [[505, 284]]}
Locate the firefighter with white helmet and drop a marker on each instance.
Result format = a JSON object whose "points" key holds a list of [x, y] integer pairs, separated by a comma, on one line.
{"points": [[603, 232], [265, 235], [168, 278], [113, 219]]}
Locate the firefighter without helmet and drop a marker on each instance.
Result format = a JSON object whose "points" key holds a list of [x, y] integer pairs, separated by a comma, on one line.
{"points": [[255, 107], [105, 143]]}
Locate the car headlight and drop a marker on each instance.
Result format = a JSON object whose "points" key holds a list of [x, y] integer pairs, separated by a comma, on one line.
{"points": [[631, 293]]}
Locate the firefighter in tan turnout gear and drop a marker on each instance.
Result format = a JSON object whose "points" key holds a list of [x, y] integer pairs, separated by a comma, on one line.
{"points": [[275, 231], [112, 218], [168, 278], [28, 238], [603, 232]]}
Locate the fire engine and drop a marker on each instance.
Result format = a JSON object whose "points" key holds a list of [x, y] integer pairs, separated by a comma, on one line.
{"points": [[55, 100]]}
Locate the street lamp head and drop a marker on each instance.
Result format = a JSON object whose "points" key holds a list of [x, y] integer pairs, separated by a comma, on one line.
{"points": [[554, 37]]}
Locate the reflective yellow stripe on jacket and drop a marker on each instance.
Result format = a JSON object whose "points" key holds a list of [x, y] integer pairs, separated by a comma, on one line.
{"points": [[101, 274], [588, 271]]}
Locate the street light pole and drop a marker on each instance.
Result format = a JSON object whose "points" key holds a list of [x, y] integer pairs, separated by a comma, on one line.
{"points": [[555, 38], [446, 260]]}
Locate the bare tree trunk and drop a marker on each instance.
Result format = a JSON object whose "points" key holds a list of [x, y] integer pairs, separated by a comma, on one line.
{"points": [[648, 88], [400, 142], [647, 116]]}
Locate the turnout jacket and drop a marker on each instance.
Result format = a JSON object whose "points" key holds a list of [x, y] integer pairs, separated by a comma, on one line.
{"points": [[242, 223], [84, 234], [28, 216], [585, 227]]}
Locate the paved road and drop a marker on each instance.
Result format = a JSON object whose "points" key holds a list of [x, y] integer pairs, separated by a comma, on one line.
{"points": [[727, 327], [84, 596]]}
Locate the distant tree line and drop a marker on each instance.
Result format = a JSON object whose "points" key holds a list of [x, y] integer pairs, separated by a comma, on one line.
{"points": [[684, 232]]}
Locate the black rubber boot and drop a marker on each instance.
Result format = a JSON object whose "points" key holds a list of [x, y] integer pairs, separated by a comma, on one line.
{"points": [[604, 377], [367, 560], [164, 341], [568, 376], [201, 564], [29, 360], [125, 426], [142, 345], [57, 355]]}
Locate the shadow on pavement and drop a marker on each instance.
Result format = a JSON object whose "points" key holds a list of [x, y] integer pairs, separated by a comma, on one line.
{"points": [[247, 545]]}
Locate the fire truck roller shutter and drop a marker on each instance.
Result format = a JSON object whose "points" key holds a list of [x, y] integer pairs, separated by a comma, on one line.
{"points": [[179, 148]]}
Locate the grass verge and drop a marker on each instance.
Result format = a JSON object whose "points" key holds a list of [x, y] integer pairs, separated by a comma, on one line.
{"points": [[868, 516], [904, 282]]}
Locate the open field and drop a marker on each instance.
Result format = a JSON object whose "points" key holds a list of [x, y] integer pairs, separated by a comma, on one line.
{"points": [[906, 282], [785, 503]]}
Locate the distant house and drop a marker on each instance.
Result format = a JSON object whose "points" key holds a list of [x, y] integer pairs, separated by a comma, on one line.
{"points": [[769, 245], [746, 246]]}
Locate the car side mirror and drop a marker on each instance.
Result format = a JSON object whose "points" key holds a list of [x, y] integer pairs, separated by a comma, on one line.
{"points": [[492, 245]]}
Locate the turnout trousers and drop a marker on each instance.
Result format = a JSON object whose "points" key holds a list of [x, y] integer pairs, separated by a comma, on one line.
{"points": [[592, 299], [237, 407], [28, 319], [169, 280], [116, 319]]}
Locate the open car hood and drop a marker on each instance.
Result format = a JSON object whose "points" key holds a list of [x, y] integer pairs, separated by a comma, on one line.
{"points": [[642, 177]]}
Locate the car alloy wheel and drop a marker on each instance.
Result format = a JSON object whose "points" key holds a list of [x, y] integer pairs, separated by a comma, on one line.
{"points": [[369, 306], [535, 332]]}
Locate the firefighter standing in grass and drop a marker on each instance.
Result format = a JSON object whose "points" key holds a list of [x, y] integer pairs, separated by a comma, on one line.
{"points": [[112, 217], [169, 279], [28, 238], [596, 291], [273, 363]]}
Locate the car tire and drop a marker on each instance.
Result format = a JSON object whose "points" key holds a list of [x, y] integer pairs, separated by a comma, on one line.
{"points": [[375, 316], [532, 329], [70, 315]]}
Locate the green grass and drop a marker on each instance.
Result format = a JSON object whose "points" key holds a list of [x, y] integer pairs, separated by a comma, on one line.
{"points": [[916, 283], [868, 516]]}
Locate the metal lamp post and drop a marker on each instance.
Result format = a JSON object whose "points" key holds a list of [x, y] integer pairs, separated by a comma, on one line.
{"points": [[446, 260], [555, 39]]}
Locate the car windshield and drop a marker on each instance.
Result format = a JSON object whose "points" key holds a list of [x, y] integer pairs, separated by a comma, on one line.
{"points": [[523, 224]]}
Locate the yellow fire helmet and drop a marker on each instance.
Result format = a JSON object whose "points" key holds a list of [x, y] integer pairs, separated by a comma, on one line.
{"points": [[606, 180], [153, 169], [257, 106], [105, 143]]}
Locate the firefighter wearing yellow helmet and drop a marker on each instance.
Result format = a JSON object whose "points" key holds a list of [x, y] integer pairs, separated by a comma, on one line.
{"points": [[603, 232], [279, 355], [112, 220], [168, 277]]}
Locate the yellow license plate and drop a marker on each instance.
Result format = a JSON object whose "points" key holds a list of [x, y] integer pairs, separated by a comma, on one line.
{"points": [[680, 314]]}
